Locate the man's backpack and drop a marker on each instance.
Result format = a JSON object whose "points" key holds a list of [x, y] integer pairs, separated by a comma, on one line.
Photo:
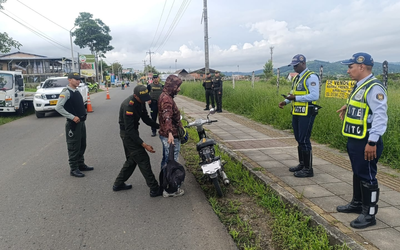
{"points": [[172, 174]]}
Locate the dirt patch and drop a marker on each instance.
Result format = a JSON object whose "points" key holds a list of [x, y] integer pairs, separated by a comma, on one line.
{"points": [[247, 223]]}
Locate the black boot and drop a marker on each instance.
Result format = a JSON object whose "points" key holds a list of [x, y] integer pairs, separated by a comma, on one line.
{"points": [[301, 162], [355, 205], [77, 173], [307, 171], [370, 196]]}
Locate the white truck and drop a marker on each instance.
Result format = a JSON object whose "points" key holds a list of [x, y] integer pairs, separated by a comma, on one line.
{"points": [[13, 97]]}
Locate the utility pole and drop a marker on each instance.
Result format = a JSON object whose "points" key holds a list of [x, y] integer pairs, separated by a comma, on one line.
{"points": [[144, 69], [207, 59], [149, 52], [176, 60], [272, 51], [72, 50]]}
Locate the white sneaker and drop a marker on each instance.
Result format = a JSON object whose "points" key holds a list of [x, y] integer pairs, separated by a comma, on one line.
{"points": [[178, 192]]}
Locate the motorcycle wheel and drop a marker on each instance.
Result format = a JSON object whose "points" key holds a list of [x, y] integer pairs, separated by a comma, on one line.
{"points": [[217, 186]]}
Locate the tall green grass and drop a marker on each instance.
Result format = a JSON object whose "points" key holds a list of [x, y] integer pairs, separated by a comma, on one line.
{"points": [[261, 104]]}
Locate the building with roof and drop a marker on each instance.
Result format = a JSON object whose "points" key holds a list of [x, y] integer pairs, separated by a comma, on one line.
{"points": [[291, 75], [35, 68], [199, 74]]}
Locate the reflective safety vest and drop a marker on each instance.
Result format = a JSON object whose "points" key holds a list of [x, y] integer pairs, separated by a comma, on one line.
{"points": [[355, 121], [156, 90], [300, 88]]}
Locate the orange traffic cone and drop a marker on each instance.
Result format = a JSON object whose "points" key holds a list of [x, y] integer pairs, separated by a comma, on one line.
{"points": [[89, 104], [108, 95]]}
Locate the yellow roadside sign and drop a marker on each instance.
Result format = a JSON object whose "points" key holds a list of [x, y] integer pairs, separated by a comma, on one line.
{"points": [[338, 89]]}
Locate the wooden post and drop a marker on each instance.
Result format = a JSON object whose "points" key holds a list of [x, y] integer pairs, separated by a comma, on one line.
{"points": [[277, 81], [252, 80], [385, 73]]}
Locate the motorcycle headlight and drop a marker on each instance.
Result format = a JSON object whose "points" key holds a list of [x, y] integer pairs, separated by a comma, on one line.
{"points": [[40, 96]]}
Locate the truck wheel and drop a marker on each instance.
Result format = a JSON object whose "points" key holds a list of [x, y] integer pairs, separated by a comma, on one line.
{"points": [[39, 114], [21, 108]]}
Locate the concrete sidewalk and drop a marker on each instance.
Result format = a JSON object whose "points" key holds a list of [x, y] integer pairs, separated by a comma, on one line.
{"points": [[274, 151]]}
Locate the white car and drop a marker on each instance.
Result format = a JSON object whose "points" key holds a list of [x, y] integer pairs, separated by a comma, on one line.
{"points": [[46, 96]]}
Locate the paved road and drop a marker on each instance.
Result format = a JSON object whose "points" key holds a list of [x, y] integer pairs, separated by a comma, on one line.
{"points": [[42, 207]]}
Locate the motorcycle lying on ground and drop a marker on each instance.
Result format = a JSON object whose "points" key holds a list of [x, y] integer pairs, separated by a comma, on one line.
{"points": [[211, 165], [93, 87]]}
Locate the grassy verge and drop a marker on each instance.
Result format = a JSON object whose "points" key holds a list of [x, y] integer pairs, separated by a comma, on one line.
{"points": [[254, 215], [9, 117], [261, 104], [30, 89]]}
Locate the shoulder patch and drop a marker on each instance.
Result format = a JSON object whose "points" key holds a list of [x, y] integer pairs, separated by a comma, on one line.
{"points": [[128, 113], [380, 97], [131, 103], [62, 96], [313, 84]]}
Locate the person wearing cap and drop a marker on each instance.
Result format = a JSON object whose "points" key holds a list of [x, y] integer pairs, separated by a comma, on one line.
{"points": [[207, 84], [364, 122], [303, 96], [133, 109], [170, 120], [155, 89], [70, 105], [217, 85]]}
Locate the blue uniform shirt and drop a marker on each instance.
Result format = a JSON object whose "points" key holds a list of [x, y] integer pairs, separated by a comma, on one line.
{"points": [[378, 118], [312, 88]]}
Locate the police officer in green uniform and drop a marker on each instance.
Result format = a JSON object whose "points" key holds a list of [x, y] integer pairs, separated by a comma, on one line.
{"points": [[131, 111], [70, 105], [207, 84], [217, 86], [364, 122], [155, 89]]}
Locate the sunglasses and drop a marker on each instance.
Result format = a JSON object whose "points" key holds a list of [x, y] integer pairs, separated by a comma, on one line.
{"points": [[295, 66]]}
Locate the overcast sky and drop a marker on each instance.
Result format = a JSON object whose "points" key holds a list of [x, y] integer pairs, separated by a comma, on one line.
{"points": [[240, 32]]}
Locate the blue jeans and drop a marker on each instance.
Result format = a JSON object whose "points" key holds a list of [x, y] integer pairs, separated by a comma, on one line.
{"points": [[177, 148]]}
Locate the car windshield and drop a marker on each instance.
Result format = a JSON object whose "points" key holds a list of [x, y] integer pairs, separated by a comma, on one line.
{"points": [[6, 81], [56, 83]]}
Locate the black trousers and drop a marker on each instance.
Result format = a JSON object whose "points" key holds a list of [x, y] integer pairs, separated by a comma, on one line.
{"points": [[210, 94], [154, 112], [218, 99], [365, 170], [302, 128], [135, 155], [76, 143]]}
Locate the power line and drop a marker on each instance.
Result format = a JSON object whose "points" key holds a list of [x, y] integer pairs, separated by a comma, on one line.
{"points": [[165, 23], [39, 33], [42, 15], [175, 22], [172, 25], [159, 21]]}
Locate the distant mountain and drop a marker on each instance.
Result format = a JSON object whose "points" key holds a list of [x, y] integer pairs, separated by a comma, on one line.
{"points": [[331, 69]]}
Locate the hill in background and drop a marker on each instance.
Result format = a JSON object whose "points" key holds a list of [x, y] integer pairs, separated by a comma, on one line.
{"points": [[331, 69]]}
